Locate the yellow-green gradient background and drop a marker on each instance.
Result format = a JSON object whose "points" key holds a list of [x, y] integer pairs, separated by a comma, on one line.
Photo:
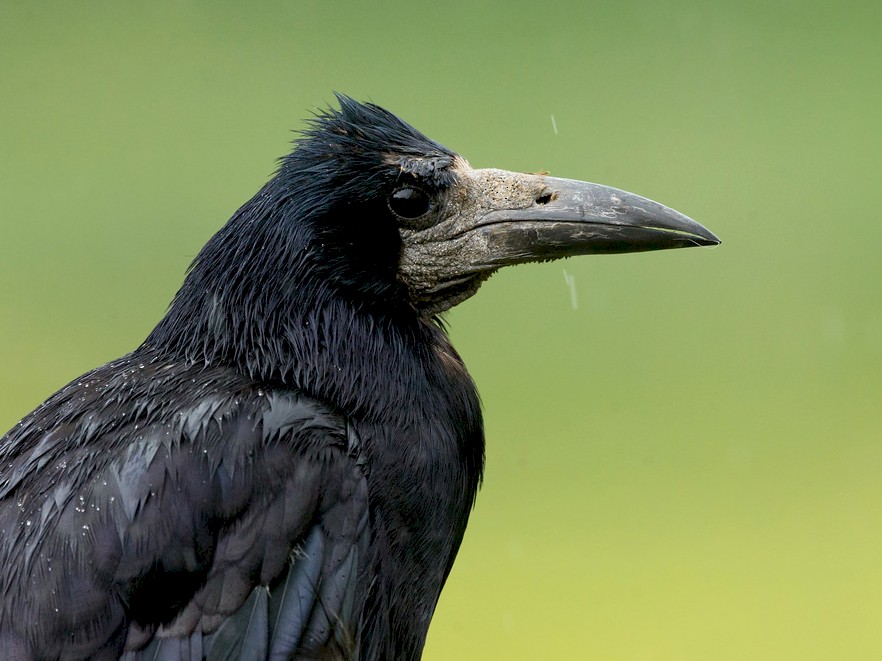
{"points": [[686, 466]]}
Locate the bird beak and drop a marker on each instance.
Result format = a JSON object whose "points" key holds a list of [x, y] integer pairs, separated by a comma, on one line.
{"points": [[496, 218], [568, 218]]}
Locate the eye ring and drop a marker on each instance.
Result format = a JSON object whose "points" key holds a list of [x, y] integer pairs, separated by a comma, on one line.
{"points": [[409, 203]]}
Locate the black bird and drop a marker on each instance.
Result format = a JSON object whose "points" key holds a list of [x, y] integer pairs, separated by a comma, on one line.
{"points": [[285, 467]]}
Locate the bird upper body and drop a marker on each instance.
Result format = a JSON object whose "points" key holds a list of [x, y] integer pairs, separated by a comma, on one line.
{"points": [[285, 468], [234, 517]]}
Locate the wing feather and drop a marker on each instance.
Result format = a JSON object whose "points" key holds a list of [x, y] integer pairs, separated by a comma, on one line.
{"points": [[219, 521]]}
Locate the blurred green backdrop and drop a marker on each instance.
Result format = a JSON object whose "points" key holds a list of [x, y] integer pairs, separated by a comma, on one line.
{"points": [[686, 463]]}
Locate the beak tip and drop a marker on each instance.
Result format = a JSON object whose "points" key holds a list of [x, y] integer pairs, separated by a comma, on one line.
{"points": [[709, 238], [696, 233]]}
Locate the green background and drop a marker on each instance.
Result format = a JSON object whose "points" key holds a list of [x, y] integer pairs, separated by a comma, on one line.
{"points": [[685, 464]]}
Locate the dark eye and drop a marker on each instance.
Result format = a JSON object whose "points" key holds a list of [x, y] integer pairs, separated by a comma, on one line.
{"points": [[409, 203]]}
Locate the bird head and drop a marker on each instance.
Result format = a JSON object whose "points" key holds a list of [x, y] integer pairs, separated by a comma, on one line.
{"points": [[369, 214], [400, 214]]}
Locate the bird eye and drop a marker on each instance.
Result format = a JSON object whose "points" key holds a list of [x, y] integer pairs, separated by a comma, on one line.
{"points": [[409, 203]]}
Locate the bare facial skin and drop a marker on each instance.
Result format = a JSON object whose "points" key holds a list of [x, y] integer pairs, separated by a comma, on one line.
{"points": [[492, 218]]}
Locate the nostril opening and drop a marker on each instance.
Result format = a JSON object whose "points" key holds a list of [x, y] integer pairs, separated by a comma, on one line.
{"points": [[546, 197]]}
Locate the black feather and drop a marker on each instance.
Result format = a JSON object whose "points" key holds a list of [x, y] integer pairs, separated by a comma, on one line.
{"points": [[284, 469]]}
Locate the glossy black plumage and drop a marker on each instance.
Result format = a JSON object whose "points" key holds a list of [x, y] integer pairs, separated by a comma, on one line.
{"points": [[284, 469], [290, 383]]}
